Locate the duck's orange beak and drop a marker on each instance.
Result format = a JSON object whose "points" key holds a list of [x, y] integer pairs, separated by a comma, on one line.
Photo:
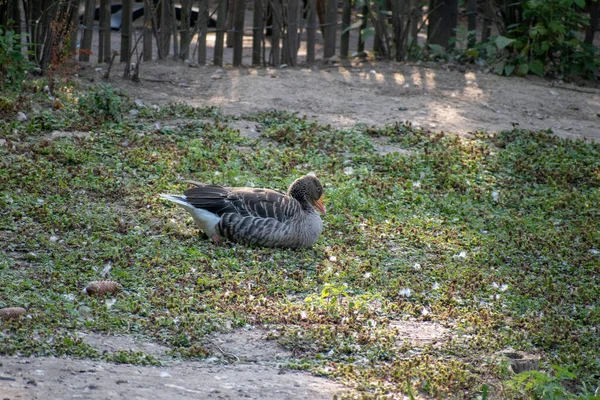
{"points": [[319, 205]]}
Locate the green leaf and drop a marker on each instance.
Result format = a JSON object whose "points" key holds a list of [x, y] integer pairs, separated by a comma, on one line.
{"points": [[353, 26], [503, 41], [472, 53], [523, 69], [368, 33], [437, 49], [499, 68], [537, 67], [580, 3], [508, 70]]}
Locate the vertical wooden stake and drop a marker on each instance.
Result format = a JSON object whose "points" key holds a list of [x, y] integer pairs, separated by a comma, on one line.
{"points": [[257, 32], [345, 41], [238, 37], [203, 21], [126, 30], [330, 28], [472, 22], [364, 11], [148, 21], [230, 18], [291, 54], [311, 31], [221, 19], [88, 21], [276, 36]]}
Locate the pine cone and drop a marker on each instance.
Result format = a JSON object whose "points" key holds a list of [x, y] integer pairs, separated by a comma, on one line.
{"points": [[101, 288], [12, 312]]}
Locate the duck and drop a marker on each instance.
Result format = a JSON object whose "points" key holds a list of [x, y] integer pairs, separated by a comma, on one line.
{"points": [[257, 217]]}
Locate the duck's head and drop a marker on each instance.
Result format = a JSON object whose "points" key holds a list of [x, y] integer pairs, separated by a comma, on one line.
{"points": [[308, 191]]}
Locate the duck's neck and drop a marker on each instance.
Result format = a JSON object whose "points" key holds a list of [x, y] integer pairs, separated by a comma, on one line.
{"points": [[298, 191]]}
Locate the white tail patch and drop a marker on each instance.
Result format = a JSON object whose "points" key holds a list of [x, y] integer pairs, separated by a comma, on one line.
{"points": [[311, 173], [205, 220]]}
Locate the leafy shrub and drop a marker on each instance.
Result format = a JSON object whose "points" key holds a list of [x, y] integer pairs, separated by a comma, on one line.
{"points": [[13, 64], [545, 42], [103, 103]]}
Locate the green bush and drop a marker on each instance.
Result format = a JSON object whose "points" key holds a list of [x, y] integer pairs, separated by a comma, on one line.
{"points": [[13, 64], [545, 41], [103, 103]]}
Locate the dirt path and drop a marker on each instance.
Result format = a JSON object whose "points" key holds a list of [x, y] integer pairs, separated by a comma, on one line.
{"points": [[436, 98], [245, 366]]}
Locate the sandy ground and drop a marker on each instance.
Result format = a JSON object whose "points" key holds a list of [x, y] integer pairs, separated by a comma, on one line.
{"points": [[436, 97]]}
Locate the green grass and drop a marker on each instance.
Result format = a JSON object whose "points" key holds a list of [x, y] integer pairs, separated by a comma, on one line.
{"points": [[505, 228]]}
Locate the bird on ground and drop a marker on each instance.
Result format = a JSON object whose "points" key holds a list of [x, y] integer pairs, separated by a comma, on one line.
{"points": [[258, 217]]}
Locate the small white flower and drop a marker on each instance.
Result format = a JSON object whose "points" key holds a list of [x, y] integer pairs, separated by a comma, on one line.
{"points": [[330, 353], [348, 170], [217, 173], [417, 266], [406, 292], [416, 184], [424, 312], [495, 196], [462, 255], [303, 315], [109, 303], [504, 288], [332, 258], [53, 238], [495, 285], [367, 275], [435, 286], [594, 251]]}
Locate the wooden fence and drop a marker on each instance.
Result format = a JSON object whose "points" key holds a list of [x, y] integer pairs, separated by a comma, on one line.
{"points": [[279, 28], [187, 29]]}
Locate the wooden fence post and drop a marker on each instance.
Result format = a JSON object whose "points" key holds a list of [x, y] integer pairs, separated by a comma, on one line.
{"points": [[220, 36], [290, 55], [330, 28], [364, 11], [276, 32], [487, 21], [238, 27], [148, 21], [105, 32], [257, 32], [442, 21], [399, 27], [185, 29], [203, 21], [126, 30], [345, 41], [311, 31], [230, 20], [88, 20], [472, 22]]}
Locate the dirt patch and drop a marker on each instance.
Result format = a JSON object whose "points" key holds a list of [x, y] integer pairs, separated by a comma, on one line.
{"points": [[419, 333], [375, 94], [111, 344], [62, 378], [248, 346]]}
